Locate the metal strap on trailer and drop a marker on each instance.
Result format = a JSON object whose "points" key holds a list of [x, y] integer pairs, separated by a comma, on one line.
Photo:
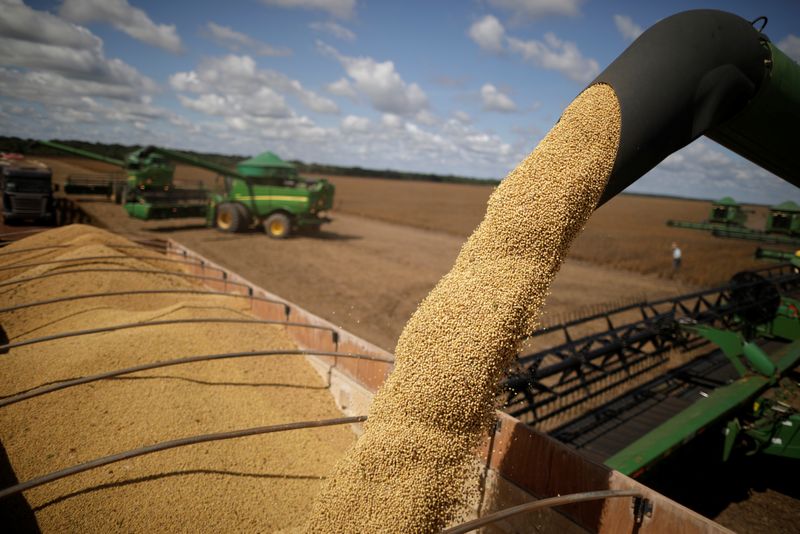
{"points": [[222, 320], [25, 305], [181, 442], [64, 384]]}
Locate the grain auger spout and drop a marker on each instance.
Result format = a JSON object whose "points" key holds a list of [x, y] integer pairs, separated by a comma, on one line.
{"points": [[704, 72]]}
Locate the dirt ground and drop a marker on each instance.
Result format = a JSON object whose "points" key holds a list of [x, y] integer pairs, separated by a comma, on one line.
{"points": [[368, 270], [391, 241]]}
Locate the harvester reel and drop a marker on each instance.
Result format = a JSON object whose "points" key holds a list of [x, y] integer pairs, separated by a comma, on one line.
{"points": [[755, 298]]}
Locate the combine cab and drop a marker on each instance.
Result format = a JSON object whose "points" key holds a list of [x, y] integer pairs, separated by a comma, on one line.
{"points": [[728, 212], [784, 219]]}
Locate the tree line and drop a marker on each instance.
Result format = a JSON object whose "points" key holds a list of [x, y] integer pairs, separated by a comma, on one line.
{"points": [[117, 151]]}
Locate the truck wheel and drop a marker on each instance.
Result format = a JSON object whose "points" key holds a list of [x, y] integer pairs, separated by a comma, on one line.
{"points": [[278, 226], [229, 218]]}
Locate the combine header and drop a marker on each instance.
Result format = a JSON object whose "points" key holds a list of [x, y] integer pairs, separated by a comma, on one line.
{"points": [[745, 342], [725, 213], [728, 220]]}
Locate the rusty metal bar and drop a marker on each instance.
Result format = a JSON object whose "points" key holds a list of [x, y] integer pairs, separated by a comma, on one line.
{"points": [[13, 266], [46, 247], [180, 442], [551, 502], [50, 388], [75, 333], [143, 271], [57, 300]]}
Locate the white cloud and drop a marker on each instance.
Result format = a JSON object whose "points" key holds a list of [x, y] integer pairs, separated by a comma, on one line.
{"points": [[238, 79], [391, 120], [125, 18], [57, 53], [18, 21], [705, 169], [351, 123], [341, 87], [627, 28], [335, 29], [550, 53], [66, 100], [394, 142], [53, 87], [462, 117], [344, 9], [494, 100], [790, 45], [380, 83], [554, 54], [488, 33], [236, 41], [527, 10], [264, 103], [426, 117]]}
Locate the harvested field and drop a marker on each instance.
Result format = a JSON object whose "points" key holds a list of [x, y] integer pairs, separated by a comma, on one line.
{"points": [[368, 275], [628, 233], [259, 483]]}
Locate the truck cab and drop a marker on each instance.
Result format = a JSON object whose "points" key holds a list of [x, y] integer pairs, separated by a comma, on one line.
{"points": [[27, 190]]}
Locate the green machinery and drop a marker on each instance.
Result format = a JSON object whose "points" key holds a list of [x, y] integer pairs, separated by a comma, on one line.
{"points": [[148, 174], [728, 220], [784, 219], [741, 387], [777, 255], [702, 72], [263, 190], [725, 213]]}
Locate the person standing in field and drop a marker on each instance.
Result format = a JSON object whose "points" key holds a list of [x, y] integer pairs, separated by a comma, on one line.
{"points": [[676, 257]]}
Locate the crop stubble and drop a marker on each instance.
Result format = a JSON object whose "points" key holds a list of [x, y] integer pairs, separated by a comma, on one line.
{"points": [[407, 472]]}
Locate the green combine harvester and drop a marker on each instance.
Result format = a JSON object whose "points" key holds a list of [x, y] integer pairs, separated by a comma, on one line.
{"points": [[264, 190], [725, 213], [632, 386], [741, 386], [728, 219]]}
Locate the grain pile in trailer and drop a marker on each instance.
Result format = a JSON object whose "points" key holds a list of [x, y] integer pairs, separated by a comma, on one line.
{"points": [[259, 483]]}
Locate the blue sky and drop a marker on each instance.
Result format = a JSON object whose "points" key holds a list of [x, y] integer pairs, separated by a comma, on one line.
{"points": [[448, 87]]}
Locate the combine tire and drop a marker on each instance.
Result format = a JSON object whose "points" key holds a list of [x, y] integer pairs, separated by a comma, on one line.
{"points": [[278, 226], [231, 217]]}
